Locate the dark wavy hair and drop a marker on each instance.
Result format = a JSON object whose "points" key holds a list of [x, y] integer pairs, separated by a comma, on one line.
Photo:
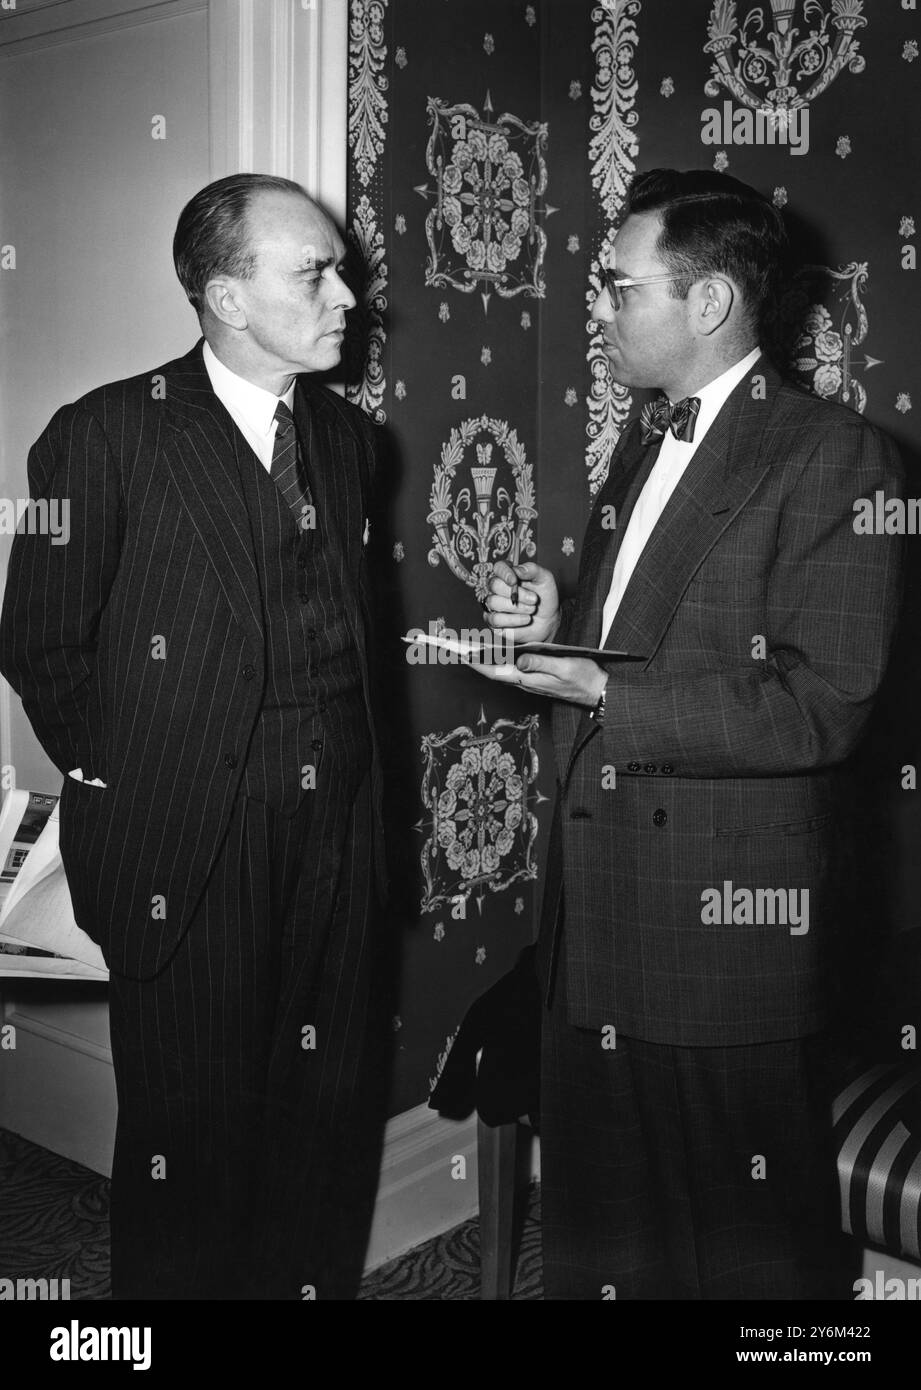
{"points": [[212, 237], [713, 224]]}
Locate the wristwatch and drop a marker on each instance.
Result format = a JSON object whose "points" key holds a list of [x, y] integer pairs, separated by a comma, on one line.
{"points": [[598, 711]]}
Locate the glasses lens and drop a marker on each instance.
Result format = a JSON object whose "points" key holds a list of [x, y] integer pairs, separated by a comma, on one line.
{"points": [[611, 286]]}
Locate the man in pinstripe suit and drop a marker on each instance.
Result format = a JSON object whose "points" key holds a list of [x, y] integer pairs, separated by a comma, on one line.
{"points": [[693, 947], [195, 662]]}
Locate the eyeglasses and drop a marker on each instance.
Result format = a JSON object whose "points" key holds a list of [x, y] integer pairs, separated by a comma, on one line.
{"points": [[615, 284]]}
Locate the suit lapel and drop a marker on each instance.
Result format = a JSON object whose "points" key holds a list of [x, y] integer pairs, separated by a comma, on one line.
{"points": [[630, 467], [725, 471], [602, 543], [204, 452]]}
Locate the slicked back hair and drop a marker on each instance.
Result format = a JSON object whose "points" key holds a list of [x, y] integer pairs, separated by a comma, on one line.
{"points": [[212, 234], [713, 224]]}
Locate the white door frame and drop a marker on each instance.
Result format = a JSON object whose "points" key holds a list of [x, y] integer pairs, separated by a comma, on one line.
{"points": [[279, 92]]}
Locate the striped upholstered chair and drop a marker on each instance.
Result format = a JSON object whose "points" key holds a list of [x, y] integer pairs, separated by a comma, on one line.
{"points": [[877, 1120]]}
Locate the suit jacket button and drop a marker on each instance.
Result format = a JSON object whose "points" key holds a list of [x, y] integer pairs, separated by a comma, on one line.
{"points": [[248, 672], [633, 767], [230, 760], [316, 744], [311, 634], [667, 768], [650, 767], [659, 817]]}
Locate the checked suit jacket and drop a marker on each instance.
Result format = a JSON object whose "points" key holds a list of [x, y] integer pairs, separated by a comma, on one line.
{"points": [[728, 756], [160, 548]]}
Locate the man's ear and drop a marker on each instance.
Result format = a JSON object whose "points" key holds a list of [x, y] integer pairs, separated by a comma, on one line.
{"points": [[221, 298], [714, 297]]}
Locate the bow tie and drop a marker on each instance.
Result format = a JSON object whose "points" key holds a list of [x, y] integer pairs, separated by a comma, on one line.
{"points": [[658, 416]]}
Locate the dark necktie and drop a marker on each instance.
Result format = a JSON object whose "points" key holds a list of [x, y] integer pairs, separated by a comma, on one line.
{"points": [[658, 416], [288, 472]]}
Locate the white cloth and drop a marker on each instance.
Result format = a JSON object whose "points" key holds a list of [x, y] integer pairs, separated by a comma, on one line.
{"points": [[251, 407], [674, 457]]}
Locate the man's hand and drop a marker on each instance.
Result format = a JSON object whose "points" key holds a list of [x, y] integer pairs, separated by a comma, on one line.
{"points": [[523, 601], [572, 678]]}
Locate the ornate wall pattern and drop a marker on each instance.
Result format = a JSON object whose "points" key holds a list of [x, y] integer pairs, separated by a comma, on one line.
{"points": [[491, 147], [367, 134]]}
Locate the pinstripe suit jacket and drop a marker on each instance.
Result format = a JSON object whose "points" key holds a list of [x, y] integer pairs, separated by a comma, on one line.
{"points": [[159, 548], [726, 762]]}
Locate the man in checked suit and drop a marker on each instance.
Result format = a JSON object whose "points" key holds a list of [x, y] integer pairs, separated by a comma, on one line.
{"points": [[194, 662], [685, 1141]]}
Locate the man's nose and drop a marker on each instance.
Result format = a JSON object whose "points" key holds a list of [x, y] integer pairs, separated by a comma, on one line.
{"points": [[603, 309], [342, 296]]}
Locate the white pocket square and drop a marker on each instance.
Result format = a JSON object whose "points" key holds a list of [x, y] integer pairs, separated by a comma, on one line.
{"points": [[77, 774]]}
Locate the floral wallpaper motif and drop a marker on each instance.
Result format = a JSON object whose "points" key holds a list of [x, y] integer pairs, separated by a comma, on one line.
{"points": [[368, 116], [490, 176], [482, 522], [491, 147], [824, 358], [476, 786], [612, 153]]}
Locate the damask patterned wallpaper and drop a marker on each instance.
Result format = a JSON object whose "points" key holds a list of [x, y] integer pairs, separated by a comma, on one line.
{"points": [[491, 144]]}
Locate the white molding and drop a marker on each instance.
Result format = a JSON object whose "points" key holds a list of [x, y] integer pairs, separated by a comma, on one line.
{"points": [[55, 24], [281, 87], [60, 1093], [231, 63], [332, 125], [279, 92], [6, 725], [51, 1032], [319, 110], [417, 1198], [246, 41]]}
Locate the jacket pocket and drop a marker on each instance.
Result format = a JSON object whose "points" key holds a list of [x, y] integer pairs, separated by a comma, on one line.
{"points": [[779, 827]]}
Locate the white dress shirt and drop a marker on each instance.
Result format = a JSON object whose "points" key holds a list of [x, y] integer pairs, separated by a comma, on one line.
{"points": [[674, 457], [251, 407]]}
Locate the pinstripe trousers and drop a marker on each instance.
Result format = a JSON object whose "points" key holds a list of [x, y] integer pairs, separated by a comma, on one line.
{"points": [[242, 1167], [687, 1172]]}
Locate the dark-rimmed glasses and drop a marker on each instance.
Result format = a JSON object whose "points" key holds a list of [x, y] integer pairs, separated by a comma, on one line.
{"points": [[615, 284]]}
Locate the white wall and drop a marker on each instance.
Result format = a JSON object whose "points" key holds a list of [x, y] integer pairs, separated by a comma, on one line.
{"points": [[90, 200]]}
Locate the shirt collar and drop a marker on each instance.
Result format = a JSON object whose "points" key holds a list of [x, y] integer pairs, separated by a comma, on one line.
{"points": [[252, 403], [715, 394]]}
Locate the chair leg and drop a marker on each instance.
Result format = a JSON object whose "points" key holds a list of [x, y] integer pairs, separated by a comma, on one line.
{"points": [[496, 1148]]}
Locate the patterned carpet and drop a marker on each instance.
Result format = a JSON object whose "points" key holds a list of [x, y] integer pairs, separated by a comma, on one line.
{"points": [[448, 1267], [54, 1218]]}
